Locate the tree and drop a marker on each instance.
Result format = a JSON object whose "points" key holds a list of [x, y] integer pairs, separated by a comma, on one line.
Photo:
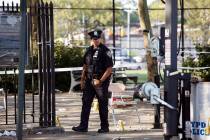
{"points": [[82, 15], [198, 21], [157, 16], [146, 25]]}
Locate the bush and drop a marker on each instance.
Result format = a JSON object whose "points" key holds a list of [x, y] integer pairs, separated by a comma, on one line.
{"points": [[202, 60], [64, 57]]}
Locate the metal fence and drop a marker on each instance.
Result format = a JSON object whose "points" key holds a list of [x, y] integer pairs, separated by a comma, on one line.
{"points": [[39, 107], [46, 63]]}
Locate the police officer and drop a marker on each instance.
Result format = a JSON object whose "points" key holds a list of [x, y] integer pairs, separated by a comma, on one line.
{"points": [[97, 69]]}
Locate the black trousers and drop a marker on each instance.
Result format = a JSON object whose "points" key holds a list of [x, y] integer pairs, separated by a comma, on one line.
{"points": [[89, 93]]}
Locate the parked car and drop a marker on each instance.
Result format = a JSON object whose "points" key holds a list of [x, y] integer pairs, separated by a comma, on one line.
{"points": [[130, 64], [138, 59]]}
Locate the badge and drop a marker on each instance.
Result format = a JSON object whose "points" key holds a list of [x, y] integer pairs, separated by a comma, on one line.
{"points": [[109, 54], [95, 54], [95, 33]]}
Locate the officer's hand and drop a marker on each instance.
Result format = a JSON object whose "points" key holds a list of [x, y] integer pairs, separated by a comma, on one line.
{"points": [[82, 84], [96, 82]]}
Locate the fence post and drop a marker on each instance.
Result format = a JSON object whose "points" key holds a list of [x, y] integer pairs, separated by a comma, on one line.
{"points": [[19, 127]]}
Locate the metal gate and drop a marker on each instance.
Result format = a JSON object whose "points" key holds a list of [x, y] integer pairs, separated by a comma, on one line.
{"points": [[39, 103]]}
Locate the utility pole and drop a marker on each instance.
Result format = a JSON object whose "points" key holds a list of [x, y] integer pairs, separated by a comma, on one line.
{"points": [[19, 127], [171, 87], [113, 24], [129, 11], [128, 33]]}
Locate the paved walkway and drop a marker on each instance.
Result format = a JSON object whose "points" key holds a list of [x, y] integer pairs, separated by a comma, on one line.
{"points": [[68, 110], [68, 107]]}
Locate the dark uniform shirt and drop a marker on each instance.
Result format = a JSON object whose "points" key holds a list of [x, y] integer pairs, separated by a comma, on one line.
{"points": [[97, 60]]}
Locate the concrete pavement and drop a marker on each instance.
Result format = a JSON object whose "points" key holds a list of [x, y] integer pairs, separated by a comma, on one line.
{"points": [[68, 108], [68, 111]]}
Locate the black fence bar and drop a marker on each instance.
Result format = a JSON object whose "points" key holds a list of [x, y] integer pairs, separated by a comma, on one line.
{"points": [[40, 77], [32, 60], [48, 64], [24, 108], [33, 107], [44, 64], [7, 6], [6, 107], [52, 64], [15, 95], [3, 6], [5, 98], [12, 6], [32, 80], [17, 7], [15, 102]]}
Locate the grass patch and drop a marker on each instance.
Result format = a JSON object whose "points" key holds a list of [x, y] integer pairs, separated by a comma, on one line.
{"points": [[142, 74]]}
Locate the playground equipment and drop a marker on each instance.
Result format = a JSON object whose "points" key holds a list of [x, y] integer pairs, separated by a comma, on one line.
{"points": [[176, 84], [150, 91]]}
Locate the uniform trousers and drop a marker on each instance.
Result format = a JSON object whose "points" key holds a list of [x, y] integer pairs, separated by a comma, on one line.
{"points": [[89, 92]]}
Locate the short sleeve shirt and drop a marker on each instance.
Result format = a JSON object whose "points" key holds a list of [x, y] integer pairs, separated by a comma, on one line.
{"points": [[98, 60]]}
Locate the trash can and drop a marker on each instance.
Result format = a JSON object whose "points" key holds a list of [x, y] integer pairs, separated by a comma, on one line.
{"points": [[200, 111]]}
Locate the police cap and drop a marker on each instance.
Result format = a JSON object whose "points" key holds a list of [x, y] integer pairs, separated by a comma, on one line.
{"points": [[95, 34]]}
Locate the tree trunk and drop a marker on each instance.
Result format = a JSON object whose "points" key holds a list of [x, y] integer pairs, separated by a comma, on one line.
{"points": [[34, 23], [146, 25]]}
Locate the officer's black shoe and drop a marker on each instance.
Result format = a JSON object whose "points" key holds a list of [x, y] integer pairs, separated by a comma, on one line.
{"points": [[104, 130], [79, 129]]}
